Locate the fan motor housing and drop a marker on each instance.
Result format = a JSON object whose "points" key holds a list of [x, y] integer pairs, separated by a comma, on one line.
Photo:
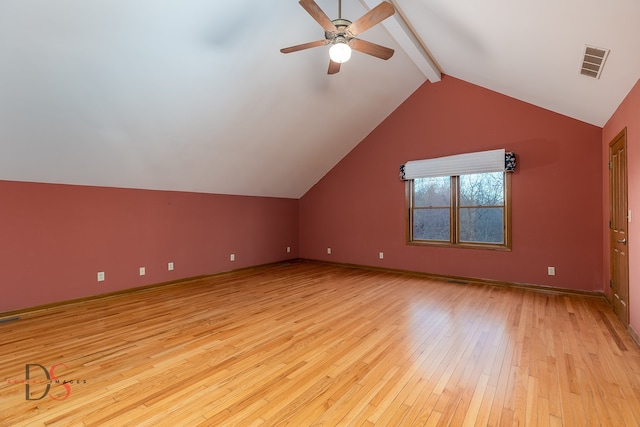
{"points": [[341, 25]]}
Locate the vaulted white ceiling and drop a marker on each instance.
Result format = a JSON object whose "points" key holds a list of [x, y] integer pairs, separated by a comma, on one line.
{"points": [[194, 95]]}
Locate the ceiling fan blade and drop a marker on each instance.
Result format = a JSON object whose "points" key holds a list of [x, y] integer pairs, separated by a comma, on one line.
{"points": [[371, 49], [371, 18], [316, 13], [334, 67], [304, 46]]}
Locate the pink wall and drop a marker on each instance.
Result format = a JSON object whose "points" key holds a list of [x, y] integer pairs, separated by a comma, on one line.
{"points": [[358, 208], [627, 115], [55, 238]]}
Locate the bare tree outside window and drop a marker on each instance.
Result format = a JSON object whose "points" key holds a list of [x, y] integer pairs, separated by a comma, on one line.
{"points": [[459, 210], [481, 210], [432, 213]]}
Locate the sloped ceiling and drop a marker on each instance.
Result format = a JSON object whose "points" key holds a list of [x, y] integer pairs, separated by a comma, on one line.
{"points": [[532, 50], [194, 95]]}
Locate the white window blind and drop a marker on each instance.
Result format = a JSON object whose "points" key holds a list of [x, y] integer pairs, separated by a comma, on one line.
{"points": [[460, 164]]}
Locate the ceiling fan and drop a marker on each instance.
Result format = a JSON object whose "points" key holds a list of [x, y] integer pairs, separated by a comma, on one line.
{"points": [[341, 33]]}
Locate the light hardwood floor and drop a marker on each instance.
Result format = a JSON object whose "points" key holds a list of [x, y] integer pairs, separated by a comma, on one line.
{"points": [[305, 344]]}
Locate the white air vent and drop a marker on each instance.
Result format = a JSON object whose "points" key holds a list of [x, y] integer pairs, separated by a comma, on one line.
{"points": [[593, 61]]}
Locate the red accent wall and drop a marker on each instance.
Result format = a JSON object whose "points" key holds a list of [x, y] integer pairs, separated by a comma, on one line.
{"points": [[55, 238], [358, 208], [627, 115]]}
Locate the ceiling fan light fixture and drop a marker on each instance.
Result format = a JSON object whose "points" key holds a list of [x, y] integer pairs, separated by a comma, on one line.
{"points": [[342, 34], [340, 51]]}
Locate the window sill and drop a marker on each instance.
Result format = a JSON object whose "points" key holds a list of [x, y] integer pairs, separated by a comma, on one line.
{"points": [[481, 246]]}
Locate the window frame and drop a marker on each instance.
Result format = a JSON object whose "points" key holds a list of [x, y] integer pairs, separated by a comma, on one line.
{"points": [[454, 219]]}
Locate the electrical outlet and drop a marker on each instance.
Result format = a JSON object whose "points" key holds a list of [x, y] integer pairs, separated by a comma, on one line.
{"points": [[170, 266], [551, 271], [288, 249], [143, 271], [381, 255], [100, 276], [232, 257], [329, 251]]}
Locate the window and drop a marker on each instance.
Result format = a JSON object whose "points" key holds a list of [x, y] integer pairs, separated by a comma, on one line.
{"points": [[469, 210]]}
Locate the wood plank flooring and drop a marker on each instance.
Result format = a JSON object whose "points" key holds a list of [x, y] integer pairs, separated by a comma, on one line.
{"points": [[305, 344]]}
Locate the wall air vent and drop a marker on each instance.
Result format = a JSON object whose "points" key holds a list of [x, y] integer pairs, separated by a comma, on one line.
{"points": [[593, 61]]}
